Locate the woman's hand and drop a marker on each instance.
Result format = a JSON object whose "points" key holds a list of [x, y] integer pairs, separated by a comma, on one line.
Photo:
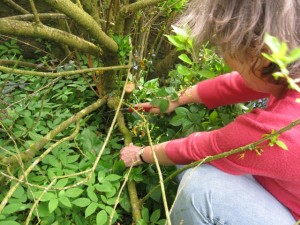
{"points": [[130, 155], [156, 110]]}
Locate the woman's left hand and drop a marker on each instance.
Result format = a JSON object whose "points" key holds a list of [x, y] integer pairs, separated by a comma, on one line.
{"points": [[130, 155]]}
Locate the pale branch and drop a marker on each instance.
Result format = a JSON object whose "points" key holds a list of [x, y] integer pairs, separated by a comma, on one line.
{"points": [[38, 145], [60, 74], [23, 28], [251, 147], [161, 181], [134, 7], [15, 6], [42, 16], [85, 21], [25, 64], [119, 195], [35, 12]]}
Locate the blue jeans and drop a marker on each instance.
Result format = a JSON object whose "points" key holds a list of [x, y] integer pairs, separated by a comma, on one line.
{"points": [[206, 195]]}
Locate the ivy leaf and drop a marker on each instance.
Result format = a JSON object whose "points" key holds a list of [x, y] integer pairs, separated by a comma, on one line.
{"points": [[101, 217], [281, 144], [91, 209], [53, 203]]}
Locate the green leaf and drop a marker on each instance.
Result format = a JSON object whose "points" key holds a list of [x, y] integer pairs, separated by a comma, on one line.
{"points": [[91, 194], [281, 144], [181, 111], [272, 42], [162, 103], [293, 55], [14, 207], [61, 183], [206, 74], [9, 222], [181, 69], [213, 116], [53, 203], [46, 196], [19, 193], [155, 216], [104, 187], [65, 201], [186, 59], [73, 192], [112, 177], [101, 217], [145, 214], [82, 202], [101, 176], [91, 209], [28, 122], [176, 42]]}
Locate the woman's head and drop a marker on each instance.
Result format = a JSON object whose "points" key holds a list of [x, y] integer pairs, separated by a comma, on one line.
{"points": [[237, 27]]}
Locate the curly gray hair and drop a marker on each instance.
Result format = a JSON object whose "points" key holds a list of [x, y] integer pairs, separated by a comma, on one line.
{"points": [[237, 26]]}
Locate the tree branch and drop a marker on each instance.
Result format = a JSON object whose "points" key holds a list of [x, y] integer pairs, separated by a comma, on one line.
{"points": [[43, 16], [60, 74], [134, 7], [85, 21], [15, 6], [22, 28]]}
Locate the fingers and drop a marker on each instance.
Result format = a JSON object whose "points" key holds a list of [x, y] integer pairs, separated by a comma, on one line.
{"points": [[129, 155]]}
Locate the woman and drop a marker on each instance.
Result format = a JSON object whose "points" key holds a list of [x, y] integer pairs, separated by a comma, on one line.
{"points": [[249, 190]]}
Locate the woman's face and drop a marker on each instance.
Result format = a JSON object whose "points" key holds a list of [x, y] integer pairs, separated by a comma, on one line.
{"points": [[252, 77]]}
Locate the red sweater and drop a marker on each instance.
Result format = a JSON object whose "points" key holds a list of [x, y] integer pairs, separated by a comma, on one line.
{"points": [[275, 169]]}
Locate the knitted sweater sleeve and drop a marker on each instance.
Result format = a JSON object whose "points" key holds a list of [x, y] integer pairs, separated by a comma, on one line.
{"points": [[225, 90]]}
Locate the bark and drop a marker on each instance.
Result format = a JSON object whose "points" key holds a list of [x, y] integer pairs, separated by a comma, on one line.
{"points": [[86, 21], [43, 16], [22, 28]]}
